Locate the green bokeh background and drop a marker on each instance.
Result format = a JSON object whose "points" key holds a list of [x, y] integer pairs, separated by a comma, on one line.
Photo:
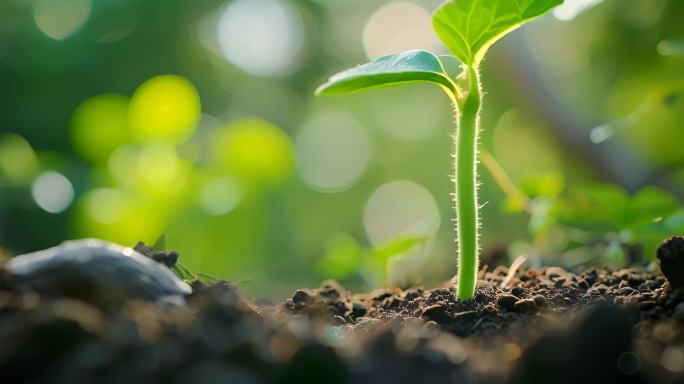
{"points": [[231, 189]]}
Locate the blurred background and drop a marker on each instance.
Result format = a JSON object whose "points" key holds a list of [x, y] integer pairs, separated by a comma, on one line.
{"points": [[196, 121]]}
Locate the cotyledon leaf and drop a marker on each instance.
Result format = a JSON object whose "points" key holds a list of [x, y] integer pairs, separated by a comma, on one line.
{"points": [[469, 27], [410, 66]]}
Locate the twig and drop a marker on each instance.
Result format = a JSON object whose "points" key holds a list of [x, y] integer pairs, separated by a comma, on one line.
{"points": [[520, 260]]}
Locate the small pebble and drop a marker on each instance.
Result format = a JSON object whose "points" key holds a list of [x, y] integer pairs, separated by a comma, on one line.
{"points": [[437, 313], [301, 297], [518, 292], [506, 302], [525, 306]]}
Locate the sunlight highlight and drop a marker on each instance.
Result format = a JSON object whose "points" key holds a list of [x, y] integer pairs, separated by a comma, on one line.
{"points": [[572, 8], [261, 37], [332, 152], [397, 208], [398, 27], [52, 192], [220, 196], [164, 109]]}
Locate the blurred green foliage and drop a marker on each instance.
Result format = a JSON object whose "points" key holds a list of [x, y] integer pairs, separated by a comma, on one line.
{"points": [[154, 114]]}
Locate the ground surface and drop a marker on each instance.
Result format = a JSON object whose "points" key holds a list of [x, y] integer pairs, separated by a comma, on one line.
{"points": [[542, 326]]}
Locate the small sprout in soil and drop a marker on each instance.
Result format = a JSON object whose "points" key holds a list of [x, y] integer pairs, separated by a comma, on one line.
{"points": [[468, 28]]}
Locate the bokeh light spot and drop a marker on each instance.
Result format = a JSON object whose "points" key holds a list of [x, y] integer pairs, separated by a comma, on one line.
{"points": [[261, 37], [220, 196], [52, 192], [332, 152], [571, 8], [413, 115], [18, 162], [397, 208], [99, 125], [121, 215], [254, 150], [157, 163], [673, 359], [399, 27], [122, 161], [59, 19], [628, 363], [164, 109], [524, 146], [104, 205]]}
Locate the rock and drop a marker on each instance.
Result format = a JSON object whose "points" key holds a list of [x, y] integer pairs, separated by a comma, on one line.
{"points": [[525, 306], [671, 255], [96, 271], [518, 292]]}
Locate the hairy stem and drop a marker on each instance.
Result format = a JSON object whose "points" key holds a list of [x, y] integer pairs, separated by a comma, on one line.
{"points": [[467, 222]]}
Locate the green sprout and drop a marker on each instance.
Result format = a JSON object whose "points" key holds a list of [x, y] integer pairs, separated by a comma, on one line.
{"points": [[467, 28]]}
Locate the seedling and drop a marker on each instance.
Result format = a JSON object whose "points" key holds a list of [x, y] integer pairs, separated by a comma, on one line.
{"points": [[467, 28]]}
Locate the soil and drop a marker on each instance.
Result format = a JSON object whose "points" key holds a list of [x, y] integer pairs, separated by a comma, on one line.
{"points": [[541, 326]]}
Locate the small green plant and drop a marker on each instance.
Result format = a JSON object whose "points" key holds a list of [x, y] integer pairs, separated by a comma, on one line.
{"points": [[467, 28], [597, 221], [345, 259]]}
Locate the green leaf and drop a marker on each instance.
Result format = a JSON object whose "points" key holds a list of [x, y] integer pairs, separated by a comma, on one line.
{"points": [[342, 257], [411, 66], [469, 27], [597, 208], [400, 245], [548, 185], [649, 205], [181, 271]]}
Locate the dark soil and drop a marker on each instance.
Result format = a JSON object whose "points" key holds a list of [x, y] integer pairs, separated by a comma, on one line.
{"points": [[544, 326]]}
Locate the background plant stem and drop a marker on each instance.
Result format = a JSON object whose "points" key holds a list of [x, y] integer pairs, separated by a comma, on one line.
{"points": [[467, 221]]}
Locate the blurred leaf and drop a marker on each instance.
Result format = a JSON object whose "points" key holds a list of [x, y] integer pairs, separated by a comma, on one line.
{"points": [[650, 235], [547, 185], [511, 204], [342, 257], [648, 205], [399, 245], [675, 223], [411, 66], [469, 27], [598, 207], [544, 215]]}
